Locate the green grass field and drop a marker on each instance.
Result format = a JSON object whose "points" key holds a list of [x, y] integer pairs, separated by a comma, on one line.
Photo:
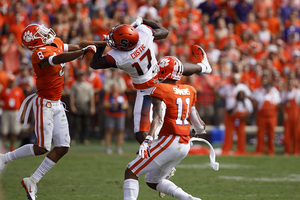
{"points": [[86, 172]]}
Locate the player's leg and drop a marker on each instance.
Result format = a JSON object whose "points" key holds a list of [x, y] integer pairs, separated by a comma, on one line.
{"points": [[136, 168], [156, 179], [142, 114], [29, 149], [44, 117]]}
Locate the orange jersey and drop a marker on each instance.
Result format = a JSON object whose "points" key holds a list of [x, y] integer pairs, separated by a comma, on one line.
{"points": [[50, 80], [179, 100], [12, 98]]}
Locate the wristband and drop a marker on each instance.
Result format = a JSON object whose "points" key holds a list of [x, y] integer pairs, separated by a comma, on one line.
{"points": [[50, 60], [149, 137]]}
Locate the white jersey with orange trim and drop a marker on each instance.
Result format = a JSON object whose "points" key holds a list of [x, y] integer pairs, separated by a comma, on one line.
{"points": [[140, 62]]}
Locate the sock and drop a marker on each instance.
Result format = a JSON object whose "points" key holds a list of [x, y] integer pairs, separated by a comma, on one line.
{"points": [[131, 189], [46, 165], [169, 188], [22, 152]]}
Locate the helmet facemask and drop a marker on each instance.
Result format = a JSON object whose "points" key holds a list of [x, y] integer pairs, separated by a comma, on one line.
{"points": [[46, 34]]}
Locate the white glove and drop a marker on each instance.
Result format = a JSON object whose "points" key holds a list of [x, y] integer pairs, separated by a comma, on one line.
{"points": [[144, 150], [91, 48], [137, 22]]}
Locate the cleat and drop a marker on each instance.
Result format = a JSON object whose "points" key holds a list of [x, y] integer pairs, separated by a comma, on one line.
{"points": [[2, 161], [172, 173], [30, 187], [199, 53], [202, 59]]}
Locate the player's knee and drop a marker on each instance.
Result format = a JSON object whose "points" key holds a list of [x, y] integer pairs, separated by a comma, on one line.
{"points": [[152, 185], [39, 150], [130, 175], [62, 150]]}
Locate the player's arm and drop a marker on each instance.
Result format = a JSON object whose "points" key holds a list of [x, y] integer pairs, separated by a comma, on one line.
{"points": [[65, 57], [82, 44], [159, 31], [190, 69], [202, 65], [159, 110], [102, 62], [196, 121]]}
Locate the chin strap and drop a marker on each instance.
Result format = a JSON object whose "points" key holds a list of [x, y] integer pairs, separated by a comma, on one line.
{"points": [[212, 155]]}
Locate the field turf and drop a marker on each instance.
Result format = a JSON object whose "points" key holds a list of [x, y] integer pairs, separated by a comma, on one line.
{"points": [[87, 173]]}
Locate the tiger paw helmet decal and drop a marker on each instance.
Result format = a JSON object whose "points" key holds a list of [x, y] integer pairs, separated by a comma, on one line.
{"points": [[28, 36]]}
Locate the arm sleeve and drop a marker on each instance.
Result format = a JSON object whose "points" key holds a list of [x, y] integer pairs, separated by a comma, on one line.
{"points": [[195, 120]]}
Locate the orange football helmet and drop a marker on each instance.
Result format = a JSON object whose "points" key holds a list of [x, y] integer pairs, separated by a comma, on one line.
{"points": [[123, 37], [169, 68], [35, 36]]}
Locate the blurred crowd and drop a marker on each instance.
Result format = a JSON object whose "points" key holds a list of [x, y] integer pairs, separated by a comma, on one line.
{"points": [[251, 38]]}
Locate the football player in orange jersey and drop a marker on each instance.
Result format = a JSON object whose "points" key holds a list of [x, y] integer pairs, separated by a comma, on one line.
{"points": [[48, 61], [173, 104], [133, 52]]}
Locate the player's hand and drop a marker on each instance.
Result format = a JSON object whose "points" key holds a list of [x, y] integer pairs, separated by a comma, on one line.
{"points": [[144, 150], [91, 48], [137, 22], [198, 134]]}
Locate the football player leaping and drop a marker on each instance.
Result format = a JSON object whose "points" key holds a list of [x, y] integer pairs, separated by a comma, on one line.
{"points": [[133, 52], [48, 61], [173, 105]]}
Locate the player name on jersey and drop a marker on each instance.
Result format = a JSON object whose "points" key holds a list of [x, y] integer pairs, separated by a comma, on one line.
{"points": [[181, 91], [138, 51]]}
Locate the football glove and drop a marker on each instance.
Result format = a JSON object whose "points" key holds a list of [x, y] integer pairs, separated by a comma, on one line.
{"points": [[144, 150], [137, 22], [91, 48]]}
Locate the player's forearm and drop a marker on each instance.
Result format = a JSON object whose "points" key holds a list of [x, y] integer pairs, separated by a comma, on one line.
{"points": [[196, 121], [155, 127], [67, 57], [159, 31], [98, 61], [190, 69], [82, 44]]}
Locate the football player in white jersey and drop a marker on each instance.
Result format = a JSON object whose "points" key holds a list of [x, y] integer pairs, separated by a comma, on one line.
{"points": [[133, 52]]}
